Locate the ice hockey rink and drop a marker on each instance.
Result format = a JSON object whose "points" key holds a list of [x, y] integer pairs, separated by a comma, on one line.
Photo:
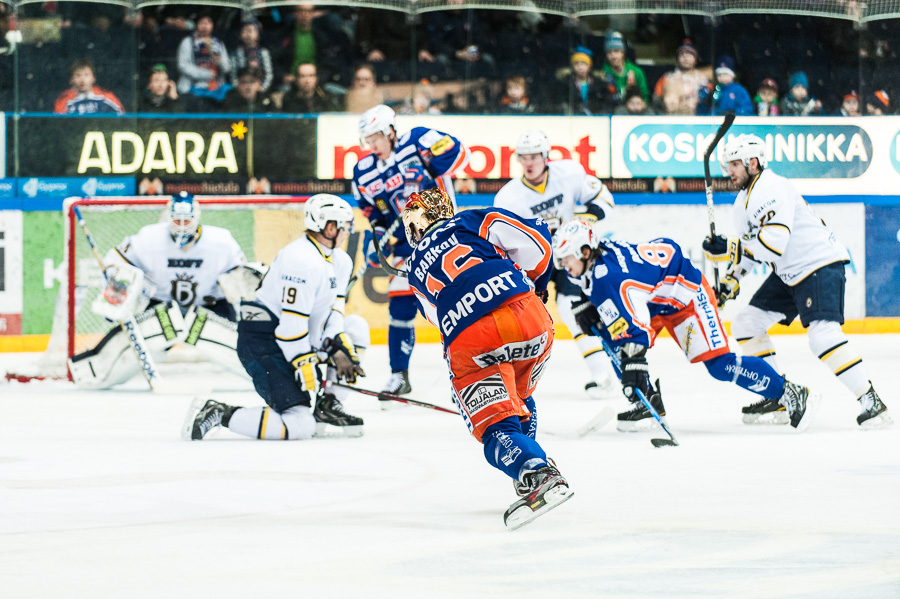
{"points": [[100, 497]]}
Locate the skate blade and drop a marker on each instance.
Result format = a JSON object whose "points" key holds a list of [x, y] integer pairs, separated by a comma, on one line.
{"points": [[329, 431], [883, 420], [523, 514], [780, 417], [812, 406], [188, 425], [637, 426], [597, 422]]}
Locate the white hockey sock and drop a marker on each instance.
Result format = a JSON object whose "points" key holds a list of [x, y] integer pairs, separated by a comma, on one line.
{"points": [[830, 344], [295, 423], [760, 346]]}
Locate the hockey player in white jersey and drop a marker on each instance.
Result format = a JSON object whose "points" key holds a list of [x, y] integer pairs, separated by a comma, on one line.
{"points": [[555, 191], [295, 323], [173, 266], [775, 225]]}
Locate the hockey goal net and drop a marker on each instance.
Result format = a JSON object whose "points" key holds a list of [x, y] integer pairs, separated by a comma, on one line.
{"points": [[262, 225]]}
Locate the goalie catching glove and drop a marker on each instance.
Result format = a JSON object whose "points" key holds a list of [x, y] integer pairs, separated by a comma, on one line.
{"points": [[341, 351]]}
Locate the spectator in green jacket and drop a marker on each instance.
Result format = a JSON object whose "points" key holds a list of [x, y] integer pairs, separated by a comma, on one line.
{"points": [[624, 72]]}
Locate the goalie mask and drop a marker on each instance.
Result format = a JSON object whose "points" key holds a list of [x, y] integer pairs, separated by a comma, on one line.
{"points": [[570, 238], [423, 210], [183, 215], [743, 148]]}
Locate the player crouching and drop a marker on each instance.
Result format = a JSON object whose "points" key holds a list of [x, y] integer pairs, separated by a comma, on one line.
{"points": [[295, 323], [636, 290]]}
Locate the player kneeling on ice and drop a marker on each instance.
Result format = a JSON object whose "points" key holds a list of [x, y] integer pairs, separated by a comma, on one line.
{"points": [[175, 267], [296, 322], [777, 226], [635, 291], [480, 277]]}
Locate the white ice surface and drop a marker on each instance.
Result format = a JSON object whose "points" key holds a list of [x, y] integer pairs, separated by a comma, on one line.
{"points": [[99, 496]]}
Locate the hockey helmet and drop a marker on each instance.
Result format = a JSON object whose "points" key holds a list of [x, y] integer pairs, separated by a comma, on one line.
{"points": [[533, 142], [183, 216], [423, 209], [379, 119], [570, 238], [743, 148], [324, 207]]}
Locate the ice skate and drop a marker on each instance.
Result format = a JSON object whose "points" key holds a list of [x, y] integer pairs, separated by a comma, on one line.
{"points": [[330, 413], [398, 384], [873, 412], [203, 416], [521, 488], [639, 418], [801, 405], [546, 489], [766, 411], [600, 388]]}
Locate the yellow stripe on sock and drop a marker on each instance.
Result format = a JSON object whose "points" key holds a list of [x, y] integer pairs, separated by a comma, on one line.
{"points": [[592, 352], [847, 366], [262, 424]]}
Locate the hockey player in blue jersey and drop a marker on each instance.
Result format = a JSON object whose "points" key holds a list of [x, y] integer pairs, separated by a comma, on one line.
{"points": [[480, 277], [636, 290], [398, 166]]}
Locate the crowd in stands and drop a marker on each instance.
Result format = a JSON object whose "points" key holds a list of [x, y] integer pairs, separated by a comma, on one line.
{"points": [[310, 59]]}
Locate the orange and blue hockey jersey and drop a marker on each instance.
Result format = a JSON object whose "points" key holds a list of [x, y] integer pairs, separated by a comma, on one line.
{"points": [[422, 159], [97, 100], [476, 261]]}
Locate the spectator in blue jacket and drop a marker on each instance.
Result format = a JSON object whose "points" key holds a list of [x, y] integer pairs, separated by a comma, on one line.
{"points": [[726, 95]]}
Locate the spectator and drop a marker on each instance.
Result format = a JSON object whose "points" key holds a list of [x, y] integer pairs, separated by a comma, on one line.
{"points": [[318, 38], [878, 103], [306, 97], [203, 62], [726, 95], [849, 105], [460, 42], [634, 103], [421, 101], [161, 94], [766, 98], [678, 91], [623, 72], [383, 39], [797, 102], [363, 93], [515, 99], [248, 96], [587, 92], [250, 54], [84, 97]]}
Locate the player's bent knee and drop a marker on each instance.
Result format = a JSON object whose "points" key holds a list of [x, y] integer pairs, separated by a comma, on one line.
{"points": [[751, 321], [824, 335], [299, 423]]}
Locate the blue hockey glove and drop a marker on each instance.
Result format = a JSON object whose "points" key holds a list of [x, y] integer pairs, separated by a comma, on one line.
{"points": [[368, 243]]}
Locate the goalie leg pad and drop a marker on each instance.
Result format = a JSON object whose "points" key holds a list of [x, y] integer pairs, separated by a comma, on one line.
{"points": [[215, 338], [113, 362]]}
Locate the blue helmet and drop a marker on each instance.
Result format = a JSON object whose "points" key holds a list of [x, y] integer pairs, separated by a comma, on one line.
{"points": [[183, 215]]}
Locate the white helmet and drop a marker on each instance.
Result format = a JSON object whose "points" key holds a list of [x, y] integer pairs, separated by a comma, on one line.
{"points": [[379, 119], [533, 142], [183, 216], [324, 207], [743, 148], [570, 238]]}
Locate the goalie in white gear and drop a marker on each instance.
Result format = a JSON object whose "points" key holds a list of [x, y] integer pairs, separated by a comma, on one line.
{"points": [[776, 225], [556, 191], [295, 324], [173, 267]]}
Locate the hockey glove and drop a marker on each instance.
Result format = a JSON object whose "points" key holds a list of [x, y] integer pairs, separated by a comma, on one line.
{"points": [[343, 354], [635, 374], [306, 372], [586, 316], [369, 243], [544, 295], [729, 287]]}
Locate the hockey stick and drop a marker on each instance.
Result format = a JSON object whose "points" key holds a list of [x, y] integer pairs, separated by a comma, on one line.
{"points": [[365, 265], [128, 324], [392, 397], [723, 129], [670, 442]]}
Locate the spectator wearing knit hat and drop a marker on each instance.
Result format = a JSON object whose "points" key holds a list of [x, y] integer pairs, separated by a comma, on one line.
{"points": [[583, 91], [623, 72], [849, 105], [798, 102], [727, 95], [766, 98], [678, 91], [878, 103]]}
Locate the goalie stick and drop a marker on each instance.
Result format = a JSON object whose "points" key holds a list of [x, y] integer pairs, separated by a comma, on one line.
{"points": [[128, 324], [392, 397], [723, 129]]}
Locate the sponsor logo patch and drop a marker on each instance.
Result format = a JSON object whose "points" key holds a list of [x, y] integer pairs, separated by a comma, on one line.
{"points": [[483, 393], [618, 328], [443, 145], [513, 352]]}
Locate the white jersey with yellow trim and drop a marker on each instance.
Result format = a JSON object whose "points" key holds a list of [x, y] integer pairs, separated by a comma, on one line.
{"points": [[305, 288], [779, 227], [567, 189], [185, 275]]}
